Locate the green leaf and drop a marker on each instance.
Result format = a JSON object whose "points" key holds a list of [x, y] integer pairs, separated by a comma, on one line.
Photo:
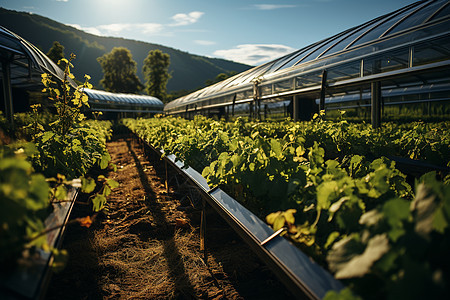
{"points": [[46, 136], [98, 202], [299, 151], [112, 183], [439, 221], [236, 159], [344, 294], [279, 222], [106, 190], [206, 172], [106, 158], [331, 238], [270, 219], [87, 185], [276, 147], [424, 205], [396, 211], [326, 191], [347, 263], [61, 192], [289, 215]]}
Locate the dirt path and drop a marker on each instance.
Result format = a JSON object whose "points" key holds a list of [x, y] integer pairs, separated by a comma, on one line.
{"points": [[146, 245]]}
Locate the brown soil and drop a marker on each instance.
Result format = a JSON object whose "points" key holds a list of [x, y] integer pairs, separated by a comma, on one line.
{"points": [[146, 245]]}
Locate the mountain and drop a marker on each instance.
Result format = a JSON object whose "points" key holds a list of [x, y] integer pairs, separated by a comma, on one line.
{"points": [[188, 71]]}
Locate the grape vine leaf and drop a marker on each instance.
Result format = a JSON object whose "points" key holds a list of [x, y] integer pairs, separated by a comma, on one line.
{"points": [[347, 260], [429, 213], [98, 202]]}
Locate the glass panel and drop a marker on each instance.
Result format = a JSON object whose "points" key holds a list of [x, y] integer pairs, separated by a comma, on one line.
{"points": [[255, 73], [318, 51], [386, 62], [248, 94], [301, 55], [311, 79], [344, 72], [283, 60], [432, 52], [240, 96], [375, 32], [7, 42], [416, 18], [352, 36], [443, 13], [266, 89], [282, 86]]}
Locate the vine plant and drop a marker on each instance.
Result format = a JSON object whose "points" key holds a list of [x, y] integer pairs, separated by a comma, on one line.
{"points": [[34, 175]]}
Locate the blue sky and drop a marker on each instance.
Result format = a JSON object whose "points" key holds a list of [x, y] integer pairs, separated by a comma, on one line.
{"points": [[247, 31]]}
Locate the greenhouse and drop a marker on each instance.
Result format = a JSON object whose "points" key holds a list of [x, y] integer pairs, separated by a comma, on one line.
{"points": [[392, 65], [123, 104], [21, 67]]}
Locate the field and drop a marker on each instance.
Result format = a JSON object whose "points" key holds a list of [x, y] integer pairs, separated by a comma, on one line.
{"points": [[332, 185], [372, 206]]}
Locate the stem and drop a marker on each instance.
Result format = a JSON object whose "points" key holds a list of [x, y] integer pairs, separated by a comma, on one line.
{"points": [[317, 219]]}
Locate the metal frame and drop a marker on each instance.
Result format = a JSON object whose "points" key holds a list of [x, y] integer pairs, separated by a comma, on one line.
{"points": [[408, 38]]}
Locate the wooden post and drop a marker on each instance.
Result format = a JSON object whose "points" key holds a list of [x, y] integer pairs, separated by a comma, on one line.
{"points": [[167, 178], [202, 232]]}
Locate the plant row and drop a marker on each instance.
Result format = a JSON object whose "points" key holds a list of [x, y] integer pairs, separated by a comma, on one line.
{"points": [[331, 186], [36, 171]]}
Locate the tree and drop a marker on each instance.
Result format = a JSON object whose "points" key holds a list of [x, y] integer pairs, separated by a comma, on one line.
{"points": [[119, 71], [156, 73], [56, 53]]}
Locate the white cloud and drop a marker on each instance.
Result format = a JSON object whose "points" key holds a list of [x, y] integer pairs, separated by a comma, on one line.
{"points": [[254, 54], [272, 6], [136, 29], [91, 30], [122, 29], [186, 19], [62, 0], [204, 43], [119, 28]]}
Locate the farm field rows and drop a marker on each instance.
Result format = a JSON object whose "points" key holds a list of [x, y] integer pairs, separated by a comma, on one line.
{"points": [[331, 185], [145, 244]]}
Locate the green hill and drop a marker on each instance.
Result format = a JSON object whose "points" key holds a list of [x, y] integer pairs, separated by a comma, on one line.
{"points": [[188, 71]]}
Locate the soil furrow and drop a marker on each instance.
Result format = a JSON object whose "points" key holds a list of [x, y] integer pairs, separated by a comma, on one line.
{"points": [[146, 244]]}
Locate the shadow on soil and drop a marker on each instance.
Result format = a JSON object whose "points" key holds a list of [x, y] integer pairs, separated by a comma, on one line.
{"points": [[177, 271]]}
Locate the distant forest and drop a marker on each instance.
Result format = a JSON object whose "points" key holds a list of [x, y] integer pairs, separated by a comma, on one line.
{"points": [[189, 72]]}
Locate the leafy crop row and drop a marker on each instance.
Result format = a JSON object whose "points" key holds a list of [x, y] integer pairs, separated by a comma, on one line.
{"points": [[332, 187], [35, 172]]}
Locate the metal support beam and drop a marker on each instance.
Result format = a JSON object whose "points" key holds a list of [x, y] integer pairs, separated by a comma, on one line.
{"points": [[323, 87], [234, 103], [295, 108], [375, 94], [7, 92]]}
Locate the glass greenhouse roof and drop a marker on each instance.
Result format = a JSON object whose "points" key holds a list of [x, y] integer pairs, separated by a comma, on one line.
{"points": [[27, 61], [129, 99], [414, 23]]}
